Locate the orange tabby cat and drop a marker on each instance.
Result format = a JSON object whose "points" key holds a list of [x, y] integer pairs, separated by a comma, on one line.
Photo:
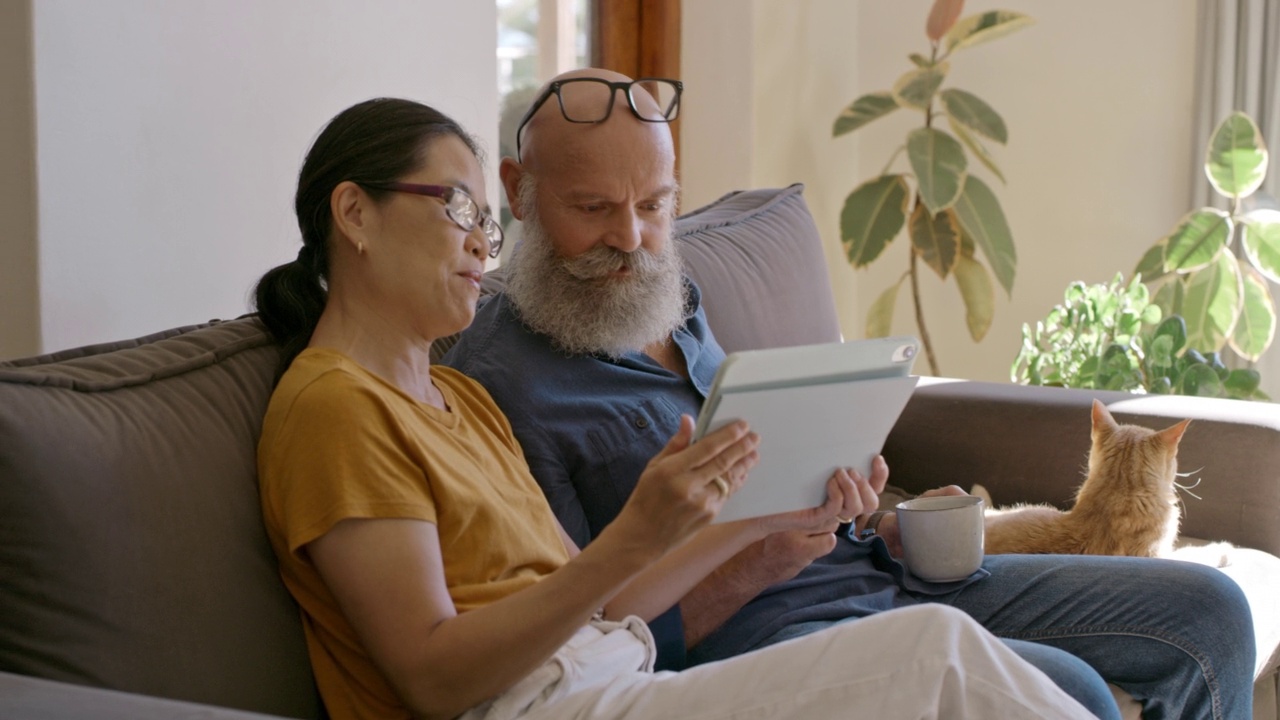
{"points": [[1126, 506]]}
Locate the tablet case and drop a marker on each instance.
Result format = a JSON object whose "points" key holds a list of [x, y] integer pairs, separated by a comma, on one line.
{"points": [[816, 408]]}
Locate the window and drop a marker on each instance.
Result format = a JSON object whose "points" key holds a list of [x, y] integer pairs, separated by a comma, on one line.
{"points": [[537, 40]]}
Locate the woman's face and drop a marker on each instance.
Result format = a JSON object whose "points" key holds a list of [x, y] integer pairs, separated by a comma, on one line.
{"points": [[427, 269]]}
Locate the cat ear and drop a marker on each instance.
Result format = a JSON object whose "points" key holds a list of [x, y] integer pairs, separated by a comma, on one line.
{"points": [[1102, 419], [1171, 435]]}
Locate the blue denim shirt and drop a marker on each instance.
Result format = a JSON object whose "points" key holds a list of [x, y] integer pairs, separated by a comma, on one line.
{"points": [[589, 424]]}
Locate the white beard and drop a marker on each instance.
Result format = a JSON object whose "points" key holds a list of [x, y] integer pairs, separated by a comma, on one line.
{"points": [[581, 308]]}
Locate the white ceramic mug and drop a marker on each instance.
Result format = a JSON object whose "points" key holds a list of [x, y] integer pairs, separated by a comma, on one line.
{"points": [[941, 536]]}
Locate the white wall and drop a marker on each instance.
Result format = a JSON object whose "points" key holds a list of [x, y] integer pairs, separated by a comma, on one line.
{"points": [[1097, 96], [19, 291], [169, 136]]}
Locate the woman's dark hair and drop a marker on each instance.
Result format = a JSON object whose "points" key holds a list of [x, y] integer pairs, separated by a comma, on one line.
{"points": [[377, 141]]}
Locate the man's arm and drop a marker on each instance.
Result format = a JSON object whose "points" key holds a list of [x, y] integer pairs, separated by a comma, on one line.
{"points": [[778, 557]]}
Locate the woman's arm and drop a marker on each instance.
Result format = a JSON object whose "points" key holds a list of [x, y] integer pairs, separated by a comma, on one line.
{"points": [[388, 579], [669, 580]]}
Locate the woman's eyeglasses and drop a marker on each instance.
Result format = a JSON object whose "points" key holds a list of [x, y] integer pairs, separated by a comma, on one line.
{"points": [[461, 208]]}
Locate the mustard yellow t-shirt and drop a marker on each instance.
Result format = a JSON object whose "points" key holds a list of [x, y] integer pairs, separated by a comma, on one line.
{"points": [[339, 442]]}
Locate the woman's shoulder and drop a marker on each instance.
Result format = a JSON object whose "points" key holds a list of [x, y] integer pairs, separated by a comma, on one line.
{"points": [[322, 382]]}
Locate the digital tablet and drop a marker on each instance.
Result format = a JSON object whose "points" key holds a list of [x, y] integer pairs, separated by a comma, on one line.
{"points": [[816, 408]]}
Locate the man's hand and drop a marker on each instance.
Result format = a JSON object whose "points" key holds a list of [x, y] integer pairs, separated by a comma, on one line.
{"points": [[790, 542], [778, 557], [888, 528], [781, 556]]}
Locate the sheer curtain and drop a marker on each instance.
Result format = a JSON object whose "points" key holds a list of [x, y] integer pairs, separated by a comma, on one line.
{"points": [[1237, 68]]}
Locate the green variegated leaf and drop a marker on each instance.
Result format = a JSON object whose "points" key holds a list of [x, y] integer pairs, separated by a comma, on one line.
{"points": [[1169, 296], [1212, 304], [1237, 159], [984, 27], [983, 220], [873, 215], [1261, 241], [862, 111], [880, 316], [1197, 240], [976, 147], [1257, 324], [919, 60], [915, 89], [1151, 266], [939, 164], [936, 239], [978, 294], [976, 115]]}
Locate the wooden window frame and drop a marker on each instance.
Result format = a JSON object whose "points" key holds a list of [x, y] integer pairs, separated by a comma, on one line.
{"points": [[638, 38]]}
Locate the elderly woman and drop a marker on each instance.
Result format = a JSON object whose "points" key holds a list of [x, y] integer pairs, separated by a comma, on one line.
{"points": [[433, 578]]}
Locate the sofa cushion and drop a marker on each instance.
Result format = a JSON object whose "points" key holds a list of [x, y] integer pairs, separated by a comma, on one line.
{"points": [[131, 540], [740, 250]]}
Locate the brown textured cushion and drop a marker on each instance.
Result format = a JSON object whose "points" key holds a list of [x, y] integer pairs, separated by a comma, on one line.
{"points": [[132, 550]]}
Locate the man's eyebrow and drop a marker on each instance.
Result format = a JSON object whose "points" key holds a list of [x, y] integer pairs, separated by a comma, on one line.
{"points": [[586, 195]]}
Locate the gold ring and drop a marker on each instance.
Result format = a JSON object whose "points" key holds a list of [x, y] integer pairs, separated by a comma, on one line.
{"points": [[844, 521], [721, 485]]}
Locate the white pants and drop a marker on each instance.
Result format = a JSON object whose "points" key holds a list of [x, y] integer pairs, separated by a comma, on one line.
{"points": [[929, 661]]}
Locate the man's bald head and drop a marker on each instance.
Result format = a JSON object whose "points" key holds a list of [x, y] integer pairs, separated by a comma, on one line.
{"points": [[549, 131], [599, 151]]}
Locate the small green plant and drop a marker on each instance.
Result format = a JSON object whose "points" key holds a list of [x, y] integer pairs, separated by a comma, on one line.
{"points": [[949, 213], [1214, 267], [1113, 337]]}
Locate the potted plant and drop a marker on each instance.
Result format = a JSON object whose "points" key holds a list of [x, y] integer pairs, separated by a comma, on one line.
{"points": [[950, 215], [1213, 268], [1113, 337]]}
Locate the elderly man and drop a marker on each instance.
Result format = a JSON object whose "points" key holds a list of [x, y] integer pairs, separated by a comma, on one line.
{"points": [[598, 310]]}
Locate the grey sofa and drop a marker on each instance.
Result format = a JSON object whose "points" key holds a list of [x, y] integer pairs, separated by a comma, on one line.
{"points": [[136, 580]]}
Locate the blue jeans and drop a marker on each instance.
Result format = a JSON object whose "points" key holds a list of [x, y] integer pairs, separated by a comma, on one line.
{"points": [[1176, 636]]}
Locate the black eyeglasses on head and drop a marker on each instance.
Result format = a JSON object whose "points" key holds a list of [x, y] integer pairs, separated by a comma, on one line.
{"points": [[590, 100]]}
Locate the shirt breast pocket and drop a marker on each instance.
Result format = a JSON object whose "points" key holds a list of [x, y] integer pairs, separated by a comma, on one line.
{"points": [[623, 445]]}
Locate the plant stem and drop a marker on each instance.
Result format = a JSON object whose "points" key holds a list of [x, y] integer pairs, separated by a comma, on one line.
{"points": [[894, 156], [924, 333], [915, 276]]}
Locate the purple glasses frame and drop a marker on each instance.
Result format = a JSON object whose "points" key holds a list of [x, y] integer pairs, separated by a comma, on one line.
{"points": [[461, 208]]}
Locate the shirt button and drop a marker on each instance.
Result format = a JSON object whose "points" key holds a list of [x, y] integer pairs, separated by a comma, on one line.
{"points": [[642, 422]]}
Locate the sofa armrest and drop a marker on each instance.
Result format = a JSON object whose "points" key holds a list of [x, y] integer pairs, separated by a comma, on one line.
{"points": [[32, 698], [1030, 444]]}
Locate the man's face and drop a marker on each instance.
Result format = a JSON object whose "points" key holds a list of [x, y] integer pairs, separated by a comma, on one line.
{"points": [[603, 300], [613, 185]]}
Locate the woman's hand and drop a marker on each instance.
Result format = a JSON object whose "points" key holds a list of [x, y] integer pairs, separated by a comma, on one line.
{"points": [[685, 485]]}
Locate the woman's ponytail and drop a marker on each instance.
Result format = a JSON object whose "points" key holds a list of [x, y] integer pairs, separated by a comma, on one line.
{"points": [[290, 299]]}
